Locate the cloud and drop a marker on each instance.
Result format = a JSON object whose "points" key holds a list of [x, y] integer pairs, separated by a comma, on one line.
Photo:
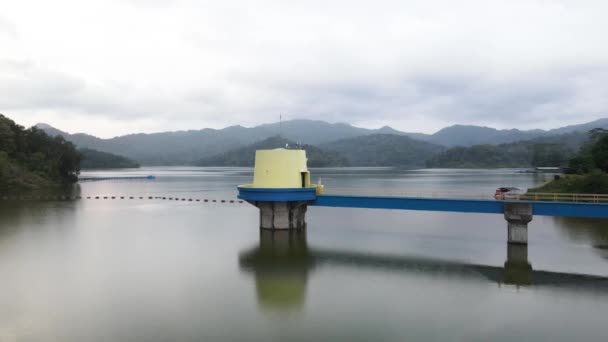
{"points": [[7, 28], [417, 65], [24, 86]]}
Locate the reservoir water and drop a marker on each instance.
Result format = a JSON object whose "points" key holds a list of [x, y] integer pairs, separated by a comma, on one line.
{"points": [[159, 270]]}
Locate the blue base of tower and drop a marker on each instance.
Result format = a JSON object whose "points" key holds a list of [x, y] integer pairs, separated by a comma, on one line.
{"points": [[277, 194]]}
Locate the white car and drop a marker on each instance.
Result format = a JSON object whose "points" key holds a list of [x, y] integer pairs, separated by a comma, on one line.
{"points": [[508, 193]]}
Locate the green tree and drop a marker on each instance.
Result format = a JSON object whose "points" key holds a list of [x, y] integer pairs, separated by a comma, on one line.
{"points": [[581, 164], [4, 169], [599, 153], [7, 142], [29, 157]]}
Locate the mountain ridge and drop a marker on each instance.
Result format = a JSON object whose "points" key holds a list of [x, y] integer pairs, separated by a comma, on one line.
{"points": [[384, 150], [186, 147], [245, 156]]}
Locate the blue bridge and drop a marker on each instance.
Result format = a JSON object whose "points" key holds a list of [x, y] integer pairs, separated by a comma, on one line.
{"points": [[282, 190], [483, 206], [285, 208]]}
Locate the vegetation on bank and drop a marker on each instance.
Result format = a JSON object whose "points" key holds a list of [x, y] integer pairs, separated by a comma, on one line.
{"points": [[29, 158], [547, 151], [587, 172], [593, 183], [92, 159]]}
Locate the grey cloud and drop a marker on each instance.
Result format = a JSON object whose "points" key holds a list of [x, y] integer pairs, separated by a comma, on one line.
{"points": [[25, 86], [200, 63], [465, 98], [529, 98]]}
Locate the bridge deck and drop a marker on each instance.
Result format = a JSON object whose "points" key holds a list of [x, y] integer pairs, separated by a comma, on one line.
{"points": [[488, 206]]}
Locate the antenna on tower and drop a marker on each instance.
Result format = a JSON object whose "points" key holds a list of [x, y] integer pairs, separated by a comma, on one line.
{"points": [[280, 125]]}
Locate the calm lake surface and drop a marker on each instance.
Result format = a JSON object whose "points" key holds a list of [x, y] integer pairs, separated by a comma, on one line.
{"points": [[154, 270]]}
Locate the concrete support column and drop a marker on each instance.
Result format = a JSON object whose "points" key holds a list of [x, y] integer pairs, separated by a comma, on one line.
{"points": [[282, 215], [518, 215]]}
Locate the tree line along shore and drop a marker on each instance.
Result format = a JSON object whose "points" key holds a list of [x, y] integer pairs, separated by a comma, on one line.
{"points": [[30, 158]]}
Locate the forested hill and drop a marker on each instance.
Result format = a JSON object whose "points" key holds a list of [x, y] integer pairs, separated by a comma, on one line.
{"points": [[245, 156], [186, 147], [546, 151], [384, 150], [92, 159], [29, 158]]}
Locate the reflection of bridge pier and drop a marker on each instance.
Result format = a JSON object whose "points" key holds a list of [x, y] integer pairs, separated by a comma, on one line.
{"points": [[517, 270], [283, 262]]}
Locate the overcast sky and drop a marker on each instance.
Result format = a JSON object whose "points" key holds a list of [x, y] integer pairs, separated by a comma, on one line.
{"points": [[120, 66]]}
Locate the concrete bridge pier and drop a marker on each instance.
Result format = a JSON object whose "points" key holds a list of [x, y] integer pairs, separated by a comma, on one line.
{"points": [[518, 215], [282, 215]]}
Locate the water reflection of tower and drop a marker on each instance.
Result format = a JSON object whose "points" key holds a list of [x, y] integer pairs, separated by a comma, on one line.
{"points": [[283, 262], [280, 264]]}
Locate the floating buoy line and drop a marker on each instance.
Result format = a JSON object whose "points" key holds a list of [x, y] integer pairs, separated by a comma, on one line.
{"points": [[108, 197]]}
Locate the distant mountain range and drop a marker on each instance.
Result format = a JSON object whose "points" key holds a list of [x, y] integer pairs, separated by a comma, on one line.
{"points": [[245, 156], [384, 150], [365, 150], [460, 135], [190, 147]]}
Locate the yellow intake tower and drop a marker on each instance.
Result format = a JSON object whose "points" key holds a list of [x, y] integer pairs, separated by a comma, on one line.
{"points": [[281, 168], [281, 188]]}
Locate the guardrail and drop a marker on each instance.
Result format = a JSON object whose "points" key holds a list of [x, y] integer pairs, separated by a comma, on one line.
{"points": [[409, 193], [530, 196], [563, 197]]}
